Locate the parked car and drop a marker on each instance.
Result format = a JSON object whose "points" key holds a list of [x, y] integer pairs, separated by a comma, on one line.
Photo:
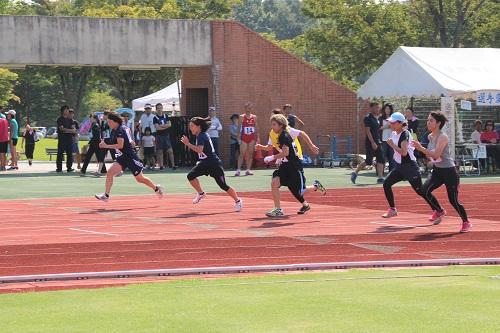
{"points": [[51, 133], [41, 130]]}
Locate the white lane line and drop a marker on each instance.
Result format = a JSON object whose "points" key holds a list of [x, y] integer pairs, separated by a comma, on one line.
{"points": [[93, 232]]}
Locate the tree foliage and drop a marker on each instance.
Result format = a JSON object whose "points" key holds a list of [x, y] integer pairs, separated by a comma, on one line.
{"points": [[7, 81]]}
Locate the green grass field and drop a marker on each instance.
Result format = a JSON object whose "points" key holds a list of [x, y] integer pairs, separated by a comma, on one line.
{"points": [[452, 299]]}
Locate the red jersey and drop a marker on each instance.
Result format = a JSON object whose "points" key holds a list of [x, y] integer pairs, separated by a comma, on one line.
{"points": [[248, 129], [4, 130]]}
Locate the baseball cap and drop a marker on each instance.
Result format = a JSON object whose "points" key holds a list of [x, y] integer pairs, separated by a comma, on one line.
{"points": [[397, 116], [12, 112], [148, 106]]}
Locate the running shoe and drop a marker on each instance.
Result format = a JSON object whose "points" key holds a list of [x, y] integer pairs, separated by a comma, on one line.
{"points": [[13, 168], [466, 226], [380, 181], [391, 212], [97, 174], [82, 174], [70, 170], [237, 173], [303, 209], [275, 212], [319, 187], [198, 197], [436, 217], [159, 191], [119, 174], [354, 175], [238, 205], [248, 173], [102, 197]]}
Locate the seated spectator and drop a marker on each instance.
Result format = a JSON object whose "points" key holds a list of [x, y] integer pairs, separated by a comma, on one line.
{"points": [[475, 137], [490, 137]]}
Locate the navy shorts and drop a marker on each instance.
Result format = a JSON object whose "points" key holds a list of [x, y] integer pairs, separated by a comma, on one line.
{"points": [[213, 169], [131, 163], [74, 148]]}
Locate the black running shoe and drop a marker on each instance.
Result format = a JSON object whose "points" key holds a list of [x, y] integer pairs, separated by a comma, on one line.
{"points": [[304, 209]]}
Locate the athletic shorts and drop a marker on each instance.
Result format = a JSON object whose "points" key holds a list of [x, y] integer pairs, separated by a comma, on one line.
{"points": [[291, 177], [14, 142], [74, 148], [212, 169], [3, 147], [370, 153], [163, 142], [131, 163]]}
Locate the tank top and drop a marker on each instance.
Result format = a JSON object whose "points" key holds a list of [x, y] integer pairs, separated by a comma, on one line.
{"points": [[445, 161], [398, 139], [248, 129]]}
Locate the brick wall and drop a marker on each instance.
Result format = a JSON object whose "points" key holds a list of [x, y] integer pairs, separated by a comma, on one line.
{"points": [[246, 67]]}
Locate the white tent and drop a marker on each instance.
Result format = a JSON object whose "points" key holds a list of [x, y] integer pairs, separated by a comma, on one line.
{"points": [[421, 71], [167, 96]]}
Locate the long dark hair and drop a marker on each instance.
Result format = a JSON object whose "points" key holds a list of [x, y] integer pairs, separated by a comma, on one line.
{"points": [[440, 118], [391, 108], [115, 117], [204, 123]]}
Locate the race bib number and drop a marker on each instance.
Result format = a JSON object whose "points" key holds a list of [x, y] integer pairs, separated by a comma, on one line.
{"points": [[248, 130]]}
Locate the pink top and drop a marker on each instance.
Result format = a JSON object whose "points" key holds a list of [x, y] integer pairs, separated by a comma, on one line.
{"points": [[4, 130], [487, 136]]}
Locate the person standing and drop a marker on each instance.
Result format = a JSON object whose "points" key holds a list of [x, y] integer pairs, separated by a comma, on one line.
{"points": [[65, 131], [293, 120], [4, 141], [164, 151], [443, 170], [412, 122], [147, 119], [475, 137], [148, 147], [372, 144], [14, 135], [235, 146], [94, 141], [248, 138], [28, 142], [75, 148], [215, 128], [385, 127]]}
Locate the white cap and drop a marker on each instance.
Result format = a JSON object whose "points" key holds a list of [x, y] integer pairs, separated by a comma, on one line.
{"points": [[12, 112]]}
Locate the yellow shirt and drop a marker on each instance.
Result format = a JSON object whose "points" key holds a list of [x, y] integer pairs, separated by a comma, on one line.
{"points": [[294, 133]]}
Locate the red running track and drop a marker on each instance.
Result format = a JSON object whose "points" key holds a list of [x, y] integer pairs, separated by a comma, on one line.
{"points": [[83, 235]]}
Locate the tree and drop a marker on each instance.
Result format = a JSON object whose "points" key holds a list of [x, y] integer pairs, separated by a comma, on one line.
{"points": [[7, 81], [100, 100]]}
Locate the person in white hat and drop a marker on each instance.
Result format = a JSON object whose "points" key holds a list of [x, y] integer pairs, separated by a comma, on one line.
{"points": [[406, 167], [14, 135]]}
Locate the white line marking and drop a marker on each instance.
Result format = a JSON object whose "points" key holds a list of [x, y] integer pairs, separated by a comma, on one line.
{"points": [[93, 232]]}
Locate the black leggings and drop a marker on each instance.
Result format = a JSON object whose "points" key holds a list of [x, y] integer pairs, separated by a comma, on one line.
{"points": [[93, 149], [411, 173], [212, 169], [449, 177]]}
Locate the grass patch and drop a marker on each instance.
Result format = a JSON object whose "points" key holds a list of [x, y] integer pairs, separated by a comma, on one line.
{"points": [[452, 299]]}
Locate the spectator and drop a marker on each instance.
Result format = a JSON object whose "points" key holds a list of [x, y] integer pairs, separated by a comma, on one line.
{"points": [[385, 127], [490, 137], [65, 131], [248, 138], [75, 148], [148, 146], [412, 122], [292, 118], [235, 146], [147, 120], [28, 142], [4, 141], [475, 137], [106, 136], [128, 123], [95, 139], [214, 129], [164, 150], [14, 135], [372, 144]]}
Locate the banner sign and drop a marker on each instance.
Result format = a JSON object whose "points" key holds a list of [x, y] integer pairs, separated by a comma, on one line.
{"points": [[488, 98], [448, 109], [466, 105]]}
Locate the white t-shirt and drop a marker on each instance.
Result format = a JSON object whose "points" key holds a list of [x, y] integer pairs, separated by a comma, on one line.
{"points": [[395, 137], [215, 127], [147, 121], [475, 137], [386, 132], [148, 141]]}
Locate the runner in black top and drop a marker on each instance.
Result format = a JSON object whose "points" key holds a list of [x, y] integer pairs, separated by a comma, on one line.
{"points": [[126, 157], [209, 163], [290, 172], [94, 147]]}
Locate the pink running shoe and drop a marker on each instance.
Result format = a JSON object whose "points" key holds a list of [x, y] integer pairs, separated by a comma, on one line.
{"points": [[466, 226], [436, 217], [391, 212], [249, 173]]}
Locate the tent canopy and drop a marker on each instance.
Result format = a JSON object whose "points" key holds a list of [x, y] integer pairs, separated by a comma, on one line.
{"points": [[166, 96], [422, 71]]}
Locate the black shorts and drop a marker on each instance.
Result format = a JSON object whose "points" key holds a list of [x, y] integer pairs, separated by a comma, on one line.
{"points": [[163, 142], [212, 169], [3, 147], [149, 151], [14, 142], [370, 154], [130, 162], [291, 177]]}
